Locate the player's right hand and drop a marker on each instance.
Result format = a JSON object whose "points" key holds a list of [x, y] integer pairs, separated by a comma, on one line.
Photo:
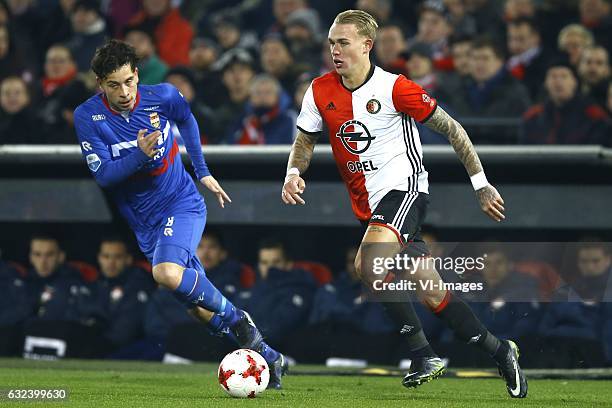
{"points": [[293, 187], [148, 143]]}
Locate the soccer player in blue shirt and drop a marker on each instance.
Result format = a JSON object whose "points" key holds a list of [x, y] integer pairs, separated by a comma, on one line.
{"points": [[125, 137]]}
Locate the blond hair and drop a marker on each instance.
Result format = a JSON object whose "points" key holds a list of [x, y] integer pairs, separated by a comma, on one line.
{"points": [[364, 22], [586, 35]]}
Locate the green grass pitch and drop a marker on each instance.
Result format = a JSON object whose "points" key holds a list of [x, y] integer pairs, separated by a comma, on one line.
{"points": [[134, 384]]}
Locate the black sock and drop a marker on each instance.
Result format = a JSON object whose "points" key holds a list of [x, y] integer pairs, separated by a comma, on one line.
{"points": [[466, 326], [407, 323]]}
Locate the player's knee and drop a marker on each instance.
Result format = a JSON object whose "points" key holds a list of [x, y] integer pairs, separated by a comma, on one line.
{"points": [[168, 274]]}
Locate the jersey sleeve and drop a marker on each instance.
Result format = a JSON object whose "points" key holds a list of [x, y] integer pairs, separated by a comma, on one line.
{"points": [[179, 110], [309, 120], [411, 99], [107, 172]]}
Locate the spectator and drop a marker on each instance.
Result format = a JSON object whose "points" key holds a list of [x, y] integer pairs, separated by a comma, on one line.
{"points": [[280, 301], [123, 293], [62, 91], [151, 70], [89, 31], [596, 16], [202, 56], [303, 33], [18, 123], [508, 305], [390, 43], [267, 118], [576, 325], [594, 72], [566, 117], [595, 273], [173, 34], [56, 28], [434, 29], [460, 47], [488, 17], [303, 83], [227, 274], [462, 23], [57, 291], [528, 59], [490, 92], [572, 40], [419, 68], [276, 60], [514, 9], [12, 60], [229, 35], [119, 13], [282, 9], [342, 303], [381, 10], [237, 71], [182, 78]]}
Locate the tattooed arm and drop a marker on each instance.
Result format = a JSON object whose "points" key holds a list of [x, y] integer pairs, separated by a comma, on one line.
{"points": [[488, 197], [299, 158]]}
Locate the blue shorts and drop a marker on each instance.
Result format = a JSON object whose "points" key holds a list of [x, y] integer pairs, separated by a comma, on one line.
{"points": [[175, 239]]}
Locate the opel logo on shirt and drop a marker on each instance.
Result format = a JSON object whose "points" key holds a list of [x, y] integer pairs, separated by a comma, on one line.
{"points": [[355, 136]]}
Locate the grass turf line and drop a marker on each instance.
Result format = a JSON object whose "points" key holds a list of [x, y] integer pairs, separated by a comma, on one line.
{"points": [[134, 384]]}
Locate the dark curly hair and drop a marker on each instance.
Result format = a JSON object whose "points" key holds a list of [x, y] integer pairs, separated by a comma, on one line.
{"points": [[112, 56]]}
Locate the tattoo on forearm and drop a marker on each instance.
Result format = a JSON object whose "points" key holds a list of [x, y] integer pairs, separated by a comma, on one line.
{"points": [[441, 122], [301, 151]]}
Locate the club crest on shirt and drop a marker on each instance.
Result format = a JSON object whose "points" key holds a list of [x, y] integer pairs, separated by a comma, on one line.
{"points": [[373, 106], [154, 118]]}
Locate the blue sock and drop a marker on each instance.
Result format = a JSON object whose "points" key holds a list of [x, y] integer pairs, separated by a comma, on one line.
{"points": [[198, 290], [219, 328], [268, 353]]}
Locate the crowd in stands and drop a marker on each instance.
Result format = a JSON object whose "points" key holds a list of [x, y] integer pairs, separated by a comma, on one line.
{"points": [[513, 71], [115, 310]]}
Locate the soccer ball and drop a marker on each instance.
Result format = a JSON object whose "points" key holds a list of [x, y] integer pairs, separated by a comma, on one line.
{"points": [[243, 373]]}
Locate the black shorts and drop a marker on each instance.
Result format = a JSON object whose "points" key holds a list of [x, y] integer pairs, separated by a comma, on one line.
{"points": [[403, 212]]}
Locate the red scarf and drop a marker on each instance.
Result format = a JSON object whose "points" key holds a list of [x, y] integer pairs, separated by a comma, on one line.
{"points": [[49, 85], [252, 129]]}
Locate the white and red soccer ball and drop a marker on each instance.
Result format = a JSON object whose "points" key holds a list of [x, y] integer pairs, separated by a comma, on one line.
{"points": [[243, 373]]}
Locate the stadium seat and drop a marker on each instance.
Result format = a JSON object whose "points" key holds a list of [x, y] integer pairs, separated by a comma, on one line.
{"points": [[247, 276], [88, 272], [320, 272]]}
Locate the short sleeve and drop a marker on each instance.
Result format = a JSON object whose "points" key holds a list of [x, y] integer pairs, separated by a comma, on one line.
{"points": [[411, 99], [177, 107], [309, 120]]}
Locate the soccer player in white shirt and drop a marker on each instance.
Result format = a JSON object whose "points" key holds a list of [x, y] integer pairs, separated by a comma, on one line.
{"points": [[371, 116]]}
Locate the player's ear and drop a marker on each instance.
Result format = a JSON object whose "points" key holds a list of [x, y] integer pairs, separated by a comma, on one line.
{"points": [[136, 75], [367, 45]]}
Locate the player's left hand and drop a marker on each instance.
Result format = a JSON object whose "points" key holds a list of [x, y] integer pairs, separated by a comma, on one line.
{"points": [[491, 202], [213, 185]]}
